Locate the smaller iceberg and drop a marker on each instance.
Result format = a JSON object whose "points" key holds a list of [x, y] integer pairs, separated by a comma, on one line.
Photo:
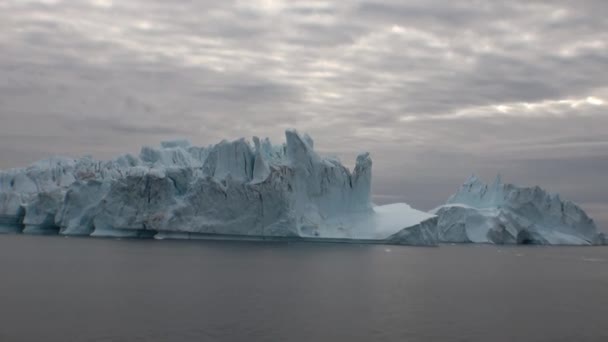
{"points": [[501, 213]]}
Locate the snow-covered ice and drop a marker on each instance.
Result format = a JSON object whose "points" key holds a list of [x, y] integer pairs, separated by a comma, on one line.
{"points": [[233, 189], [506, 214]]}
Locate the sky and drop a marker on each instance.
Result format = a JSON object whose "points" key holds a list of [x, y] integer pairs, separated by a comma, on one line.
{"points": [[434, 90]]}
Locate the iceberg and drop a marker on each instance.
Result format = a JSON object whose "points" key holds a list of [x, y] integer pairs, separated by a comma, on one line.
{"points": [[507, 214], [230, 190]]}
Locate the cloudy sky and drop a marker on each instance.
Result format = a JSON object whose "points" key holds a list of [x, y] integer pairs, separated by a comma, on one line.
{"points": [[435, 90]]}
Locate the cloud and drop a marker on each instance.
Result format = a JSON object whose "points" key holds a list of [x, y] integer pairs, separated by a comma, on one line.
{"points": [[434, 90]]}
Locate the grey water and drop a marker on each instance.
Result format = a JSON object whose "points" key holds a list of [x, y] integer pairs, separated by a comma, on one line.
{"points": [[85, 289]]}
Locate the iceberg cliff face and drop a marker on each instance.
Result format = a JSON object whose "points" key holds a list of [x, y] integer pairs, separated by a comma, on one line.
{"points": [[506, 214], [231, 189]]}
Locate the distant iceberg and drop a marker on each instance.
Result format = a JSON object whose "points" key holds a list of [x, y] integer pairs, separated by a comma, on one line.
{"points": [[506, 214], [231, 190]]}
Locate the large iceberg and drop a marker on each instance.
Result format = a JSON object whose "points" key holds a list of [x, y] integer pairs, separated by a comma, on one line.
{"points": [[506, 214], [231, 190]]}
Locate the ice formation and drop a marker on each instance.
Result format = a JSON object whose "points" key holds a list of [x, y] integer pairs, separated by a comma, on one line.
{"points": [[229, 190], [506, 214]]}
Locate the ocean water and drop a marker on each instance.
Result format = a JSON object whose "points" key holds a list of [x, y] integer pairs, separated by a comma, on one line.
{"points": [[84, 289]]}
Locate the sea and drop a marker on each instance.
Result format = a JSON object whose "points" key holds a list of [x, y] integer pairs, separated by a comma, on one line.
{"points": [[55, 288]]}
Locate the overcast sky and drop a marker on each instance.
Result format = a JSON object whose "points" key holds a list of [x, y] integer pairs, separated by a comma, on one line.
{"points": [[435, 90]]}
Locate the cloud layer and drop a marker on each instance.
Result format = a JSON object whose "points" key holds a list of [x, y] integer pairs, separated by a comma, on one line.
{"points": [[435, 90]]}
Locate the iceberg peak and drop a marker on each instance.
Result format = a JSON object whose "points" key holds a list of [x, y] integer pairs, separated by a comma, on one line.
{"points": [[505, 213]]}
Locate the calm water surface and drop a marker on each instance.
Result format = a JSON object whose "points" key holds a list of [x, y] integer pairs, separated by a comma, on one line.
{"points": [[83, 289]]}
